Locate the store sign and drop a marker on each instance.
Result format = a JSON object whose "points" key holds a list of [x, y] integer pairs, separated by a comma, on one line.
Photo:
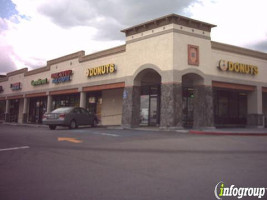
{"points": [[101, 70], [1, 89], [238, 67], [39, 82], [61, 77], [15, 86]]}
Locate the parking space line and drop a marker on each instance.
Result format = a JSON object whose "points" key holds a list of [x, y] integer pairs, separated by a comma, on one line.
{"points": [[109, 134], [15, 148]]}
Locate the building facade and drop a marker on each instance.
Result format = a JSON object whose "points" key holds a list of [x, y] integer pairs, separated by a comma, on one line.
{"points": [[168, 74]]}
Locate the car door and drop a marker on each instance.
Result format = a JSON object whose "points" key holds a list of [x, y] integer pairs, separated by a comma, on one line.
{"points": [[86, 116], [77, 115]]}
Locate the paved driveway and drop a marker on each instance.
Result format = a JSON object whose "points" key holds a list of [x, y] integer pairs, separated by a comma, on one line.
{"points": [[98, 163]]}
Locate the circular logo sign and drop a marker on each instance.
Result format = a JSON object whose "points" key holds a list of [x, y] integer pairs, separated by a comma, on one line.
{"points": [[223, 65]]}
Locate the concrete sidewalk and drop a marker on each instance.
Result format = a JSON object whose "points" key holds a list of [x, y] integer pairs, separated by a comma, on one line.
{"points": [[219, 131], [231, 131]]}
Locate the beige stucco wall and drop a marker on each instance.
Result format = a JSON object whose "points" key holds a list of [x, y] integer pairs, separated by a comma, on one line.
{"points": [[191, 37], [111, 107]]}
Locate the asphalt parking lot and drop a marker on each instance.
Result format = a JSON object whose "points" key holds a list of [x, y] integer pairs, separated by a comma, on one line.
{"points": [[100, 163]]}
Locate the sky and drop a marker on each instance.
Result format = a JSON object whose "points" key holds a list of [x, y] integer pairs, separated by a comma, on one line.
{"points": [[35, 31]]}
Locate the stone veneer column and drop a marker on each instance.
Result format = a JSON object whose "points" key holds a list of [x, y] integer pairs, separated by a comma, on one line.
{"points": [[255, 116], [83, 99], [25, 108], [131, 107], [171, 106], [7, 115], [203, 107]]}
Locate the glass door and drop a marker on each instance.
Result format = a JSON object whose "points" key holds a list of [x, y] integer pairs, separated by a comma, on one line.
{"points": [[188, 107], [144, 107], [94, 103], [153, 111], [150, 105]]}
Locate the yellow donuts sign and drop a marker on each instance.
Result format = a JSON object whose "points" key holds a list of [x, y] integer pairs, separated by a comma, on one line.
{"points": [[101, 70], [238, 67]]}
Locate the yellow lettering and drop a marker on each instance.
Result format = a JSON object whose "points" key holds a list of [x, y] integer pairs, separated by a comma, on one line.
{"points": [[95, 71], [107, 68], [99, 70], [112, 68], [230, 66], [242, 68], [256, 70], [103, 69], [236, 67], [247, 69], [91, 72]]}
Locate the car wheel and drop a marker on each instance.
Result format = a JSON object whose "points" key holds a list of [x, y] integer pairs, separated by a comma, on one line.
{"points": [[73, 124], [52, 127]]}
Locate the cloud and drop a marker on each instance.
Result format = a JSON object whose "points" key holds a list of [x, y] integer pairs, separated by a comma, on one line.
{"points": [[37, 31], [260, 46], [238, 22], [109, 17]]}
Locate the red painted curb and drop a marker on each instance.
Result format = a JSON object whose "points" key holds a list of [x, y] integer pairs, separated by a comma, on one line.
{"points": [[226, 133]]}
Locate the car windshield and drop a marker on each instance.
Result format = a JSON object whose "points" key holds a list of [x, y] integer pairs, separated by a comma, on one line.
{"points": [[62, 110]]}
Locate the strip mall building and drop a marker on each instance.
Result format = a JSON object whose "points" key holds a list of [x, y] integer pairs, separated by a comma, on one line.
{"points": [[168, 74]]}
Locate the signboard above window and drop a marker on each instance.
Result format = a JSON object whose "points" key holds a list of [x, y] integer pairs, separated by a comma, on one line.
{"points": [[238, 67], [15, 86], [61, 77]]}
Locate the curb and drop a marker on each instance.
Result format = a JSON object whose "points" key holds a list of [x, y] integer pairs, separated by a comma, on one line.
{"points": [[227, 133], [28, 125]]}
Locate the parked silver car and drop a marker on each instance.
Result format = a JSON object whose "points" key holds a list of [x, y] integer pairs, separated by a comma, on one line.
{"points": [[69, 116]]}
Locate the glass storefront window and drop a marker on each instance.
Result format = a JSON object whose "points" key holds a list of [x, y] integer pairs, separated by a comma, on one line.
{"points": [[14, 110], [230, 107], [2, 110], [37, 108], [72, 100]]}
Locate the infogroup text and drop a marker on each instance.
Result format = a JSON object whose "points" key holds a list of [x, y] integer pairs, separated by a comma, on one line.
{"points": [[239, 192]]}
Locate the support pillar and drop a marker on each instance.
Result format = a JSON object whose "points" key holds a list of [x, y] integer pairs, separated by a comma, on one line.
{"points": [[255, 116], [131, 107], [25, 108], [49, 103], [203, 107], [171, 106], [7, 115], [83, 99]]}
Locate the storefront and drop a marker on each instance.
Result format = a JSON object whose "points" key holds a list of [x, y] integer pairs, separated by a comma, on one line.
{"points": [[168, 74], [14, 110], [230, 108], [94, 103], [69, 100], [37, 107], [2, 109]]}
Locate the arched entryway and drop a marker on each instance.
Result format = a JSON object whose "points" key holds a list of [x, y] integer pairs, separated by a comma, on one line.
{"points": [[149, 82], [191, 98]]}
